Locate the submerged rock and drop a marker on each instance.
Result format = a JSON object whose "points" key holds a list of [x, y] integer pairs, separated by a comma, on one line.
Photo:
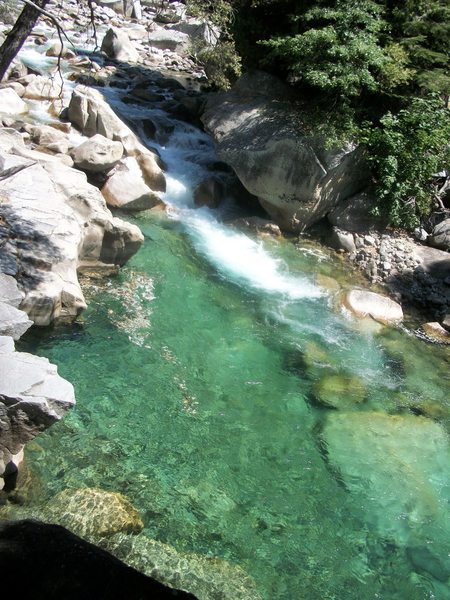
{"points": [[340, 390], [208, 578], [397, 466], [92, 512]]}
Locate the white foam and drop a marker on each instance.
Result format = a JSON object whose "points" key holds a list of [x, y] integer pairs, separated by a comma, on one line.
{"points": [[246, 261]]}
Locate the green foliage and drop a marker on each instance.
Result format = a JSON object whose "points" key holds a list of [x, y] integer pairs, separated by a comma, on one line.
{"points": [[404, 151], [364, 70], [221, 62], [423, 29], [339, 53]]}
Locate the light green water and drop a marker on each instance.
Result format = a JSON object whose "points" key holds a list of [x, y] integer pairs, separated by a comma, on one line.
{"points": [[196, 399]]}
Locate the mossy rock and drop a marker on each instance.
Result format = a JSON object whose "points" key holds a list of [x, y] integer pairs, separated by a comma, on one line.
{"points": [[93, 512], [340, 390]]}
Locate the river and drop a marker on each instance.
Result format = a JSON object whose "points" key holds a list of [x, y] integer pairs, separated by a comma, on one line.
{"points": [[204, 375]]}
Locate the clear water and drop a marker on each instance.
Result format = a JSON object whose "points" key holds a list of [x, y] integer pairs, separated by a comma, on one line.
{"points": [[196, 372]]}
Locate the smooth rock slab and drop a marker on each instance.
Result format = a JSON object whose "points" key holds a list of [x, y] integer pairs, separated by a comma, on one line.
{"points": [[396, 468], [363, 303]]}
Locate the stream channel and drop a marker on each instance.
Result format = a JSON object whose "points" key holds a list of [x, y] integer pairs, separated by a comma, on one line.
{"points": [[197, 372]]}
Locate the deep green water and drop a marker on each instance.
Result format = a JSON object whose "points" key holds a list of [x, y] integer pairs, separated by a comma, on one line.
{"points": [[196, 400]]}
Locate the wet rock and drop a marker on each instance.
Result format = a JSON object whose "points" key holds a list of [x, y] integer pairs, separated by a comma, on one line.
{"points": [[59, 564], [93, 512], [264, 226], [57, 49], [32, 397], [97, 155], [151, 171], [11, 103], [363, 303], [260, 137], [340, 390], [117, 45], [126, 188], [210, 193]]}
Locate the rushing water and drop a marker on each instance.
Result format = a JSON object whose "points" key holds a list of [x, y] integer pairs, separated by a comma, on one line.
{"points": [[198, 370]]}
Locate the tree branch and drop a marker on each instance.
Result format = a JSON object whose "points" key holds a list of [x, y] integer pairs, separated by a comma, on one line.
{"points": [[52, 18]]}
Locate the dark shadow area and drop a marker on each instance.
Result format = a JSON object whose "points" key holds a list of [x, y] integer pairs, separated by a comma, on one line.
{"points": [[25, 253], [47, 562]]}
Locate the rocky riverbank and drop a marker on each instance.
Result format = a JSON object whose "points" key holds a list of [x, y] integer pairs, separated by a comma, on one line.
{"points": [[60, 180]]}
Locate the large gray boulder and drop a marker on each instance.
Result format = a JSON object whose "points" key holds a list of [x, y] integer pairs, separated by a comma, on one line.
{"points": [[440, 237], [259, 133], [32, 397], [116, 44], [165, 39], [97, 154], [355, 214], [53, 222], [126, 188]]}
